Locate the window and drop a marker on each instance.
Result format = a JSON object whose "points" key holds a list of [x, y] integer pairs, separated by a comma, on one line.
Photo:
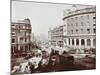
{"points": [[82, 42], [13, 33], [94, 17], [21, 48], [25, 39], [76, 30], [69, 41], [76, 24], [82, 17], [67, 19], [15, 49], [27, 26], [76, 18], [72, 19], [13, 26], [60, 43], [88, 23], [94, 24], [13, 40], [72, 24], [94, 30], [19, 26], [26, 47], [19, 31], [21, 39], [94, 42], [72, 31], [88, 30], [88, 42], [12, 50], [77, 42], [88, 17], [30, 31], [81, 23], [94, 21]]}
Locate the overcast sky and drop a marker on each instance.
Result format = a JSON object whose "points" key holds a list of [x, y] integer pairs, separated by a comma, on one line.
{"points": [[42, 15]]}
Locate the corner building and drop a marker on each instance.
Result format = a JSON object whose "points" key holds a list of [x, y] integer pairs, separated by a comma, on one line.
{"points": [[20, 38], [81, 28]]}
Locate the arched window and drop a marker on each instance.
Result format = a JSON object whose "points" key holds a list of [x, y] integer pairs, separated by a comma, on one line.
{"points": [[72, 41], [77, 42], [82, 42], [94, 42], [88, 42]]}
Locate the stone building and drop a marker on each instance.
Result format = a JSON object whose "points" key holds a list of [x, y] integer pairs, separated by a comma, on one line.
{"points": [[80, 28], [56, 36], [20, 37]]}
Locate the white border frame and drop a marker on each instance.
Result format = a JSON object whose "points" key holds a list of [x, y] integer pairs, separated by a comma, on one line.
{"points": [[5, 36]]}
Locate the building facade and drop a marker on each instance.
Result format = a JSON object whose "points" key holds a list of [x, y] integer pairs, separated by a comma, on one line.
{"points": [[20, 37], [56, 36], [81, 28]]}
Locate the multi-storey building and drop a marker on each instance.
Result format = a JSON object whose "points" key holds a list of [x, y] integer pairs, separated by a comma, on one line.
{"points": [[20, 37], [81, 28], [56, 37]]}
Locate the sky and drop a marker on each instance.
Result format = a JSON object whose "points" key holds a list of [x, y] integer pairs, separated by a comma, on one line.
{"points": [[43, 16]]}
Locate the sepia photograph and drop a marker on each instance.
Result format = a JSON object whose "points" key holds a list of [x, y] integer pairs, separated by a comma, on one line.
{"points": [[52, 37]]}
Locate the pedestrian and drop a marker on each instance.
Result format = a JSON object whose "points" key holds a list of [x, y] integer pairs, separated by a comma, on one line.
{"points": [[20, 69], [27, 70], [32, 70], [39, 66]]}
